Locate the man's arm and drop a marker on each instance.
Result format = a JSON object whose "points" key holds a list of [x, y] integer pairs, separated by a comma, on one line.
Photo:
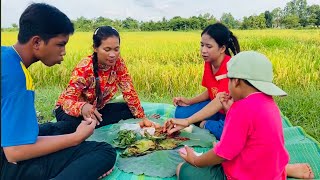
{"points": [[49, 144], [208, 159]]}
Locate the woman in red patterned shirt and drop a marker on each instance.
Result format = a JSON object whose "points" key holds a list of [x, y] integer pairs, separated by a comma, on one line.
{"points": [[94, 82]]}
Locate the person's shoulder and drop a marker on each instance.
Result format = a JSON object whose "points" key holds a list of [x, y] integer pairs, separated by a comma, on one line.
{"points": [[120, 63], [10, 62], [120, 60], [85, 62], [223, 67], [4, 49], [242, 104], [6, 52], [255, 102]]}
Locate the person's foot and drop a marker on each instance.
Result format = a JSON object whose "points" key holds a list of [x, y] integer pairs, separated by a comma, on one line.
{"points": [[300, 171], [106, 174]]}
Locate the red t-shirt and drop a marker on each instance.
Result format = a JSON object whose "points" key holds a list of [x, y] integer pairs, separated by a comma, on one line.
{"points": [[213, 82]]}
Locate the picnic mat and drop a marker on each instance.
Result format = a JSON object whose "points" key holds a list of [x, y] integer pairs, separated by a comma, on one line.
{"points": [[301, 147]]}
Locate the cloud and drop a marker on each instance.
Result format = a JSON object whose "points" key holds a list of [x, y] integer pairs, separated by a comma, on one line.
{"points": [[144, 10], [145, 3]]}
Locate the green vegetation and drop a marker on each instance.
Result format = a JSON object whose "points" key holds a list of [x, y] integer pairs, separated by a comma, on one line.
{"points": [[168, 64], [296, 14]]}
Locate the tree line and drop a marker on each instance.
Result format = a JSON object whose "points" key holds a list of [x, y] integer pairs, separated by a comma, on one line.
{"points": [[296, 14]]}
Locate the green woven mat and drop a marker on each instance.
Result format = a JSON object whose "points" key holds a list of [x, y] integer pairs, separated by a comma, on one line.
{"points": [[302, 148]]}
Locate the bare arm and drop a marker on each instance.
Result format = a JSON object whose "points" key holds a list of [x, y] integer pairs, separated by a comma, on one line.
{"points": [[210, 109], [208, 159], [49, 144], [199, 98], [43, 146]]}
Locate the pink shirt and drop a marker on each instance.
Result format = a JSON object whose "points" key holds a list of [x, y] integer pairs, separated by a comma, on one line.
{"points": [[252, 141]]}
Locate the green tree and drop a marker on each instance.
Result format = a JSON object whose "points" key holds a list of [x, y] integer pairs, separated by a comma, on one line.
{"points": [[277, 17], [269, 18], [14, 26], [254, 22], [130, 23], [101, 21], [291, 21], [314, 15], [297, 8], [83, 24], [229, 20]]}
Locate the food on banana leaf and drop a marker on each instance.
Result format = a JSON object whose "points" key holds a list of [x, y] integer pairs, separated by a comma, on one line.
{"points": [[140, 147], [154, 137], [149, 143], [167, 144], [125, 138]]}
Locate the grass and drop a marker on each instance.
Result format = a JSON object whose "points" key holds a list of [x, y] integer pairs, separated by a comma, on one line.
{"points": [[168, 64]]}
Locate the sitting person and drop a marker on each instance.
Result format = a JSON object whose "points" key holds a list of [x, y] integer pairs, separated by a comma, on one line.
{"points": [[203, 110], [245, 150], [94, 82], [26, 154]]}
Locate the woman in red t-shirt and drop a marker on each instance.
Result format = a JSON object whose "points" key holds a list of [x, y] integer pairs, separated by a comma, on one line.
{"points": [[204, 110]]}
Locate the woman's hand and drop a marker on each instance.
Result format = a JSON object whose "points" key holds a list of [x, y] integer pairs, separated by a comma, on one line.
{"points": [[145, 122], [181, 101], [89, 112], [173, 125]]}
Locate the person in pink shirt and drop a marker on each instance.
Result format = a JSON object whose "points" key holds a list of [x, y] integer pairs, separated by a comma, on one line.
{"points": [[252, 142]]}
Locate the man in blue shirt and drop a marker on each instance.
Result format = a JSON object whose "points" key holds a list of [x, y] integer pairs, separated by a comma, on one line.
{"points": [[44, 32]]}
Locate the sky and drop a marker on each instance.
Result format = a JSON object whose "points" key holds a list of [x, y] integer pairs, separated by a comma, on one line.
{"points": [[144, 10]]}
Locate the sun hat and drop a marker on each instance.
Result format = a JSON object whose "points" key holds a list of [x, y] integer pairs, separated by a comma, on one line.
{"points": [[256, 68]]}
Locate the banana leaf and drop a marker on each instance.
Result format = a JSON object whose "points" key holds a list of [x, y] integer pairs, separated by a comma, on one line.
{"points": [[161, 163], [157, 164]]}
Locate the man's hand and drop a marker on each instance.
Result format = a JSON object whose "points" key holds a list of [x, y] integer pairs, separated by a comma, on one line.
{"points": [[188, 155], [85, 129], [225, 99]]}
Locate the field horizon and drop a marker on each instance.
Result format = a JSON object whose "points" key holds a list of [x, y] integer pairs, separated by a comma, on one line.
{"points": [[168, 64]]}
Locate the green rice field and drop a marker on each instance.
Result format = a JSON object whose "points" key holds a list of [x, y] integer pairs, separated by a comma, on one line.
{"points": [[168, 64]]}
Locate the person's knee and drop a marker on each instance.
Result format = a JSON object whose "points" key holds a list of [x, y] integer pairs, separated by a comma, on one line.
{"points": [[180, 112], [34, 171], [217, 134], [108, 148], [105, 157], [178, 169], [202, 124], [214, 128]]}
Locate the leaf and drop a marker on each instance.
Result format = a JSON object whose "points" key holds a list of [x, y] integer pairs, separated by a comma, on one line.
{"points": [[198, 137], [161, 163], [157, 164], [168, 144], [139, 148]]}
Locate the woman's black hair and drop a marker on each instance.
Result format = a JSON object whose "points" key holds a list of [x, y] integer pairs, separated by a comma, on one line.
{"points": [[101, 33], [224, 37]]}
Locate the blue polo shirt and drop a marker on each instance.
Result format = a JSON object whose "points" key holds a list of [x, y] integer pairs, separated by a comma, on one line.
{"points": [[18, 116]]}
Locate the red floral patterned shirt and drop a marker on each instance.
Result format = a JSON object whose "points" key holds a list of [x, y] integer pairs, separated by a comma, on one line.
{"points": [[81, 88]]}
